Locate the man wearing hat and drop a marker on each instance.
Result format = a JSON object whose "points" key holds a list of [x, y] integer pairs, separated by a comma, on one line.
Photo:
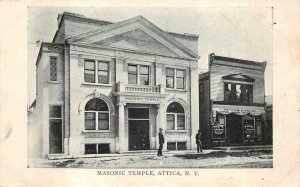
{"points": [[161, 140], [198, 141]]}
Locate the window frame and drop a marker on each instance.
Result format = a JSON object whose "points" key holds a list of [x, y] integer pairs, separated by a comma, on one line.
{"points": [[175, 77], [175, 119], [138, 74], [233, 91], [97, 148], [96, 71], [96, 113], [62, 126]]}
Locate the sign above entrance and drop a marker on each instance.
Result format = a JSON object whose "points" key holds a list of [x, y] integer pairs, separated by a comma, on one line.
{"points": [[241, 110], [141, 99]]}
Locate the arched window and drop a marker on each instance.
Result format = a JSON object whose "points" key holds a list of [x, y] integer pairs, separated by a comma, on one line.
{"points": [[96, 116], [175, 117]]}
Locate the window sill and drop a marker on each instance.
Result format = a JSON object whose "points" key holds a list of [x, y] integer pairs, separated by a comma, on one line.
{"points": [[96, 131], [175, 90], [171, 131], [53, 82], [96, 84]]}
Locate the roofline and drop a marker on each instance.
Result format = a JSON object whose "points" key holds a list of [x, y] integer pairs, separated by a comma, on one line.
{"points": [[236, 60], [41, 47], [140, 18], [184, 35], [79, 16]]}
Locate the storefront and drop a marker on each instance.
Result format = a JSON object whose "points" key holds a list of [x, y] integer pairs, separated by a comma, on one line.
{"points": [[237, 125]]}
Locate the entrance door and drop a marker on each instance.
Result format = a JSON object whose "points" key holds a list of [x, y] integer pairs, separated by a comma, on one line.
{"points": [[55, 136], [139, 135], [234, 125], [138, 123]]}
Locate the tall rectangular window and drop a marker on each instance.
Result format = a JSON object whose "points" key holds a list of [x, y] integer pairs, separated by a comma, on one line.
{"points": [[103, 72], [170, 122], [103, 121], [175, 78], [144, 75], [89, 71], [180, 79], [132, 74], [170, 78], [53, 68], [55, 129]]}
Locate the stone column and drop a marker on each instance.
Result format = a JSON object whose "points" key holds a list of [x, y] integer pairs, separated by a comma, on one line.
{"points": [[160, 123], [122, 141]]}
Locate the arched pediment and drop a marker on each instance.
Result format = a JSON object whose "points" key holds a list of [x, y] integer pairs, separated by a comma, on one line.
{"points": [[96, 95]]}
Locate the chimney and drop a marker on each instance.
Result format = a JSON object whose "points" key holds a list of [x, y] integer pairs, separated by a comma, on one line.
{"points": [[59, 17]]}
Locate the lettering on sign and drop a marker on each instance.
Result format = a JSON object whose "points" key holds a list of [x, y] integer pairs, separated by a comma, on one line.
{"points": [[142, 99]]}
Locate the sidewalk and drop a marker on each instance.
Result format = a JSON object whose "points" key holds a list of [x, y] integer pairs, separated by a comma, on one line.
{"points": [[227, 158], [166, 153]]}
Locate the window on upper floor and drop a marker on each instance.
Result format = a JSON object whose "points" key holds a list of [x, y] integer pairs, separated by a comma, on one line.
{"points": [[238, 93], [175, 78], [175, 117], [96, 115], [53, 68], [96, 71], [138, 74]]}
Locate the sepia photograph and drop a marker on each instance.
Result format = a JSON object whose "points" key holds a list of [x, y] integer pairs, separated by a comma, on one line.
{"points": [[149, 87]]}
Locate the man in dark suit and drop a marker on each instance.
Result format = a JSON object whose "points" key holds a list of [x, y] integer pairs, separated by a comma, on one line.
{"points": [[198, 142], [161, 140]]}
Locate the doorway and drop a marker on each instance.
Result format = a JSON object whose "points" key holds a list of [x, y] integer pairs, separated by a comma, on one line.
{"points": [[138, 123], [235, 131], [55, 136]]}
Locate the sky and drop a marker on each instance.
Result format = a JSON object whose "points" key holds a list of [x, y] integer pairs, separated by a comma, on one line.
{"points": [[244, 33]]}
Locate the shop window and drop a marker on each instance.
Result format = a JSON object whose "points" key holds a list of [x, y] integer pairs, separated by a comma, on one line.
{"points": [[175, 78], [55, 129], [96, 149], [138, 74], [249, 127], [53, 68], [238, 93], [96, 115], [96, 72], [219, 127], [175, 117]]}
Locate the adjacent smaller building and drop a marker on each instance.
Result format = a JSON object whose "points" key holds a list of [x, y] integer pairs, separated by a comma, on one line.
{"points": [[232, 102]]}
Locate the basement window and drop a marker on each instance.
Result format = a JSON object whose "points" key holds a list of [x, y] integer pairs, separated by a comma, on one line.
{"points": [[171, 146], [96, 149]]}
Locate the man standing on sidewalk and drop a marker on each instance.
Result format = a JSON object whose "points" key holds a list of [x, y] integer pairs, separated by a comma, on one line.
{"points": [[161, 141], [198, 142]]}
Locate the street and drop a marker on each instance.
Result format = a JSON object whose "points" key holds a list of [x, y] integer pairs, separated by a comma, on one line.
{"points": [[207, 159]]}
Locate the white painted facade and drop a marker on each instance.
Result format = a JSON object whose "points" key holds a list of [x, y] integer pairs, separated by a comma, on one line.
{"points": [[135, 42]]}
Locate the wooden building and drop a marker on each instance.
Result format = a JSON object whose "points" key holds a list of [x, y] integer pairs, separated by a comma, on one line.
{"points": [[232, 102]]}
